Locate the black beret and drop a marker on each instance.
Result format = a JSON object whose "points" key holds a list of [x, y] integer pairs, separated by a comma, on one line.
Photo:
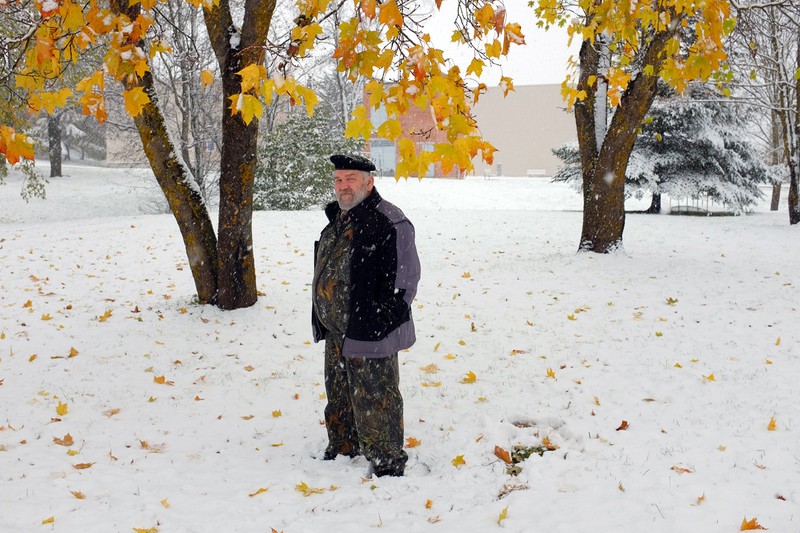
{"points": [[352, 162]]}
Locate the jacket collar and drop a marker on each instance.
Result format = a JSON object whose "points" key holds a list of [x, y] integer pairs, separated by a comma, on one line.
{"points": [[332, 210]]}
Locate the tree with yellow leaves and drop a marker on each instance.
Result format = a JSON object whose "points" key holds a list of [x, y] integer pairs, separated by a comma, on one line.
{"points": [[626, 47], [381, 42]]}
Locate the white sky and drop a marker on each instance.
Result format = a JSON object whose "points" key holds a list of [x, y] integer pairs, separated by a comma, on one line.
{"points": [[543, 59]]}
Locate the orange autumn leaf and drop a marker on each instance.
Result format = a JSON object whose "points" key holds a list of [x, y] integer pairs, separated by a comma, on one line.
{"points": [[73, 352], [411, 442], [749, 525], [161, 380], [78, 494], [67, 440], [623, 426], [83, 466], [549, 445], [772, 426], [502, 454], [682, 470], [428, 504]]}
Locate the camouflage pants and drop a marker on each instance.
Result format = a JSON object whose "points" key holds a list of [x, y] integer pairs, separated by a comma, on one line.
{"points": [[365, 409]]}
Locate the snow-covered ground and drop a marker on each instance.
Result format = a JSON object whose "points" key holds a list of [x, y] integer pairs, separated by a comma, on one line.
{"points": [[654, 372]]}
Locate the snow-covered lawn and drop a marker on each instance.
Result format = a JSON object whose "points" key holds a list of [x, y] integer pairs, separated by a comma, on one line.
{"points": [[654, 372]]}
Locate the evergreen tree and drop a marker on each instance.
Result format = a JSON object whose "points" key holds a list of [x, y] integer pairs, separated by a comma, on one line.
{"points": [[689, 146], [294, 170]]}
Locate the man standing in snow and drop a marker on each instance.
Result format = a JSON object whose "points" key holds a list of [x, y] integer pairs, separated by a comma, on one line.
{"points": [[366, 271]]}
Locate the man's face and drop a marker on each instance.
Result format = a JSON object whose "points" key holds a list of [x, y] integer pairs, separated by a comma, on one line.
{"points": [[351, 187]]}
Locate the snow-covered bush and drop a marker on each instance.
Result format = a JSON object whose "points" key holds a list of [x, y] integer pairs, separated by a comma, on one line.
{"points": [[294, 169]]}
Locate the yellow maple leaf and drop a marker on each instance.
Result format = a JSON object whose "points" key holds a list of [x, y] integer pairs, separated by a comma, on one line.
{"points": [[105, 316], [359, 125], [62, 409], [466, 275], [251, 76], [431, 383], [428, 504], [306, 490], [772, 426], [207, 77], [259, 491], [248, 105], [73, 352], [430, 369], [469, 378], [135, 100], [710, 377], [165, 503], [391, 129], [778, 342], [159, 45], [32, 358], [475, 67], [276, 414], [49, 520], [146, 530], [46, 316], [749, 525], [458, 461], [551, 373]]}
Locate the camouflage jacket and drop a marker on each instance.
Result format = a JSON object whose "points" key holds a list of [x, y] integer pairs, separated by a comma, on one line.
{"points": [[384, 271]]}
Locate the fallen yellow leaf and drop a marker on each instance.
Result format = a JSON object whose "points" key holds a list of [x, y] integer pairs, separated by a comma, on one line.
{"points": [[430, 369], [469, 378], [458, 461], [62, 408], [772, 426]]}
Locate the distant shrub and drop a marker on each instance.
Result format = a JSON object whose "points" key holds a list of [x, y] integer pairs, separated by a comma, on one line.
{"points": [[294, 170]]}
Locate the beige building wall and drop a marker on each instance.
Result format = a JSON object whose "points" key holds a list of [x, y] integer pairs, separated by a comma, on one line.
{"points": [[524, 127]]}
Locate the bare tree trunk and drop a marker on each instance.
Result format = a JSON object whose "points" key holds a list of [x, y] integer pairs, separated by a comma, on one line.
{"points": [[184, 201], [54, 144], [794, 197], [235, 50], [655, 205], [775, 159], [603, 166]]}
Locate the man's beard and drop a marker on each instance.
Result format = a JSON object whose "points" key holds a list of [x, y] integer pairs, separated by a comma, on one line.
{"points": [[358, 196]]}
